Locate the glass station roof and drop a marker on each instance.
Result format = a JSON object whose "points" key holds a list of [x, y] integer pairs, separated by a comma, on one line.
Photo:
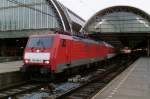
{"points": [[27, 14], [119, 20], [18, 18]]}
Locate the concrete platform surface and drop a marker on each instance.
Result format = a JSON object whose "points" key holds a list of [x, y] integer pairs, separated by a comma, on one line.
{"points": [[10, 66], [133, 83]]}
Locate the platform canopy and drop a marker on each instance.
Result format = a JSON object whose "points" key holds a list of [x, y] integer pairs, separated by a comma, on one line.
{"points": [[119, 25]]}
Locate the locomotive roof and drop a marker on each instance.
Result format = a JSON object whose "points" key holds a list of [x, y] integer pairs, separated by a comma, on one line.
{"points": [[69, 37], [42, 35]]}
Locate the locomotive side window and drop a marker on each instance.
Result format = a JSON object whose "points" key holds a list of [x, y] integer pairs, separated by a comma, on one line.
{"points": [[63, 43]]}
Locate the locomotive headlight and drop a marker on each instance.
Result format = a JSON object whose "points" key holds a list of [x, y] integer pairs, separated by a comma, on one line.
{"points": [[46, 61], [26, 61]]}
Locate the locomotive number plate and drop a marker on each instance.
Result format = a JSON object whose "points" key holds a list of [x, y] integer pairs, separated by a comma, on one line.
{"points": [[36, 60]]}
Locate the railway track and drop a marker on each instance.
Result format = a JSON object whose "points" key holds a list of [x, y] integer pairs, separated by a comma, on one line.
{"points": [[12, 91], [98, 81]]}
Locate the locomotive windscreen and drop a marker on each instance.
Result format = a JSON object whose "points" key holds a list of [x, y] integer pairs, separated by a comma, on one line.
{"points": [[40, 42]]}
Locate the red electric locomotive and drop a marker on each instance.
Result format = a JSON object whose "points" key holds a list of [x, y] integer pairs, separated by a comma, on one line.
{"points": [[55, 53]]}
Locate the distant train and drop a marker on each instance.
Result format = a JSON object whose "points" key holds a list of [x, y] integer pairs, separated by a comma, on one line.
{"points": [[56, 53]]}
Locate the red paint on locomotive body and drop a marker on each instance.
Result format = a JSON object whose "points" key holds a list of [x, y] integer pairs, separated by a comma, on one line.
{"points": [[58, 52]]}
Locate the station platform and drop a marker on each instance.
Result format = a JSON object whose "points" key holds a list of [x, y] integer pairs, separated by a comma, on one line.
{"points": [[9, 73], [133, 83], [13, 66]]}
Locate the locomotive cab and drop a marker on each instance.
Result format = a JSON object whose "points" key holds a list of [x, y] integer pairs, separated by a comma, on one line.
{"points": [[38, 50], [37, 54]]}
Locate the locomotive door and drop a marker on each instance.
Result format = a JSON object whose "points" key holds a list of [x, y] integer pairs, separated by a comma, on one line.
{"points": [[68, 52]]}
